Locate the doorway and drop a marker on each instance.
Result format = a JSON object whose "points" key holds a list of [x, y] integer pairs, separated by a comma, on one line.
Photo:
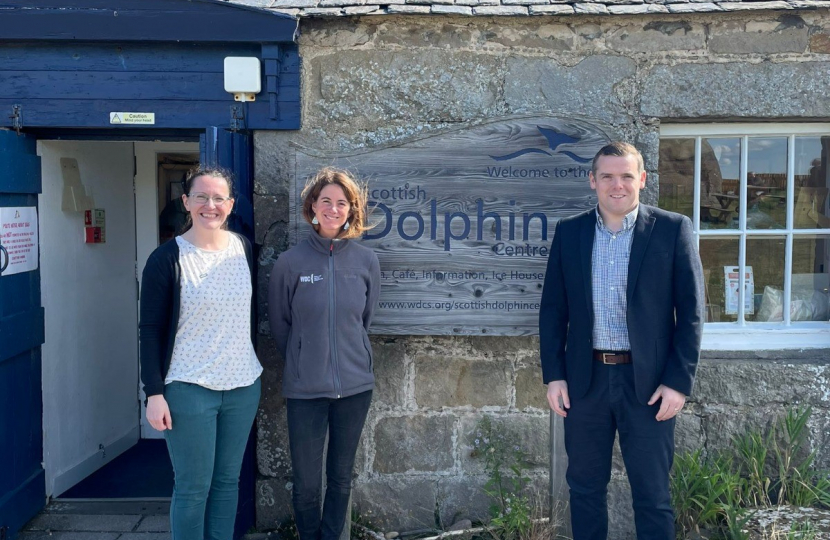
{"points": [[96, 443]]}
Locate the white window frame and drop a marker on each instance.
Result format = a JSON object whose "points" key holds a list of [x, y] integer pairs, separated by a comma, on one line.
{"points": [[743, 335]]}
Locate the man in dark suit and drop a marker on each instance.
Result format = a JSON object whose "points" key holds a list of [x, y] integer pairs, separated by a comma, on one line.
{"points": [[620, 328]]}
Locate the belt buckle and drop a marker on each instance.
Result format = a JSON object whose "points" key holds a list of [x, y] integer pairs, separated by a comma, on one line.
{"points": [[606, 362]]}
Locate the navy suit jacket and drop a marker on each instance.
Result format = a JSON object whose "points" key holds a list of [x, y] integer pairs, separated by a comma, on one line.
{"points": [[664, 312]]}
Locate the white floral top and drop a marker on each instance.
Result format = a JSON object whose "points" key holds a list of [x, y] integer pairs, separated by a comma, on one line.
{"points": [[213, 341]]}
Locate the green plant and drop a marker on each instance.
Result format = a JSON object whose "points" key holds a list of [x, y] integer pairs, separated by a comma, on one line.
{"points": [[751, 449], [798, 482], [735, 523], [505, 463], [704, 491], [801, 531]]}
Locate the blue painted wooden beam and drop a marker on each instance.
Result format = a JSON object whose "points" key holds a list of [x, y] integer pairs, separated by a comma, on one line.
{"points": [[94, 113], [143, 20]]}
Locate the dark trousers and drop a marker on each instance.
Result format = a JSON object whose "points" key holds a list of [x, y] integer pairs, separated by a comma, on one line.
{"points": [[647, 447], [308, 422]]}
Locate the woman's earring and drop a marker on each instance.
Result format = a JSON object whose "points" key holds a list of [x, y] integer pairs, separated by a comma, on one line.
{"points": [[346, 226], [314, 221]]}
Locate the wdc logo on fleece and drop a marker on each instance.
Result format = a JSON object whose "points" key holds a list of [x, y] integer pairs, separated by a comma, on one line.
{"points": [[311, 278]]}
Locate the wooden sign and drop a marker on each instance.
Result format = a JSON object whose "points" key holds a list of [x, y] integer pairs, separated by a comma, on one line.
{"points": [[463, 220]]}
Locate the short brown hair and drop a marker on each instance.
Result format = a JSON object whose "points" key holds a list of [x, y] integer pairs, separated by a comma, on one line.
{"points": [[355, 191], [619, 149]]}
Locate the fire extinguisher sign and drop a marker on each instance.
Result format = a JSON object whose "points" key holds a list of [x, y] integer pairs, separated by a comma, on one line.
{"points": [[18, 240]]}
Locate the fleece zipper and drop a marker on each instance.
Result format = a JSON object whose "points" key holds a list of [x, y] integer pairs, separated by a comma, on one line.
{"points": [[335, 368]]}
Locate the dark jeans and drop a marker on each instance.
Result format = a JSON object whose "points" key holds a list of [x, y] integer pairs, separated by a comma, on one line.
{"points": [[308, 422], [647, 448]]}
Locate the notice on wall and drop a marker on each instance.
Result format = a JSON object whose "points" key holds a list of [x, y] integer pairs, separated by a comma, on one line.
{"points": [[463, 220], [18, 240]]}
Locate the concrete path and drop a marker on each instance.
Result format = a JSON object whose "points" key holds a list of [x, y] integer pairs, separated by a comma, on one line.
{"points": [[100, 520]]}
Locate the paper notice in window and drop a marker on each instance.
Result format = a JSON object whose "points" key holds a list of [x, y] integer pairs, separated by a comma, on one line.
{"points": [[731, 285]]}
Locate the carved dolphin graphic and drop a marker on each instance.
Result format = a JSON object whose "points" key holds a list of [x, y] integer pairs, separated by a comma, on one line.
{"points": [[555, 139]]}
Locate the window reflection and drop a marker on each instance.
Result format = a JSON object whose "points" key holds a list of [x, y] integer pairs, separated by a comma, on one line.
{"points": [[810, 297], [766, 183], [720, 162], [765, 256], [677, 175], [716, 254], [811, 183]]}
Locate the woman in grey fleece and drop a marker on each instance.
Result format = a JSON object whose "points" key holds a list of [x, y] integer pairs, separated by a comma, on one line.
{"points": [[321, 298]]}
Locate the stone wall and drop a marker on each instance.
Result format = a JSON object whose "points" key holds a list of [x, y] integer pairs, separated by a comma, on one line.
{"points": [[375, 81]]}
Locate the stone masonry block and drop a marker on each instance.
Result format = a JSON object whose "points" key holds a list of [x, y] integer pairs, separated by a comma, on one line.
{"points": [[637, 10], [530, 433], [294, 4], [543, 84], [368, 9], [757, 382], [413, 33], [500, 10], [454, 382], [820, 43], [463, 498], [551, 10], [747, 6], [397, 503], [273, 454], [500, 347], [413, 443], [688, 432], [408, 10], [390, 371], [703, 7], [591, 9], [795, 89], [273, 502], [620, 511], [787, 34], [364, 88], [323, 12], [658, 36], [530, 392], [452, 10], [721, 424], [535, 34]]}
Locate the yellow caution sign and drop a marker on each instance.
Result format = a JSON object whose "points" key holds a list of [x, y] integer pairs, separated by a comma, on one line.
{"points": [[132, 118]]}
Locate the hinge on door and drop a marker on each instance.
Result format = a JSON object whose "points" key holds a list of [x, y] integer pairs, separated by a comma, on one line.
{"points": [[17, 118], [237, 118]]}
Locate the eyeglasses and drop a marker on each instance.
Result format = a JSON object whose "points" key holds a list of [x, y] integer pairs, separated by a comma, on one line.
{"points": [[203, 198]]}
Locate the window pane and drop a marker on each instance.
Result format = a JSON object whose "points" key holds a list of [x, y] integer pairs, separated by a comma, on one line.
{"points": [[811, 281], [766, 183], [720, 161], [677, 175], [765, 258], [717, 253], [811, 183]]}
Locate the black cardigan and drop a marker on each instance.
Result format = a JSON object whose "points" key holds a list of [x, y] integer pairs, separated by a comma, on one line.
{"points": [[159, 311]]}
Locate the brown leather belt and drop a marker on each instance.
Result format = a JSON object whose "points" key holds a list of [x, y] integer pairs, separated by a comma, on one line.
{"points": [[612, 358]]}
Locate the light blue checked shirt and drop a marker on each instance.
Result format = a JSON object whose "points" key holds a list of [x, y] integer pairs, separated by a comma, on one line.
{"points": [[609, 279]]}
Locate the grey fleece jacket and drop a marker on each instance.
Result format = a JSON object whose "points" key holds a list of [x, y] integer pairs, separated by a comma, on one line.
{"points": [[321, 298]]}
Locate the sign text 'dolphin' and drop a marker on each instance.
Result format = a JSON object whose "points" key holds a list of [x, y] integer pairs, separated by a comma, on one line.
{"points": [[463, 220]]}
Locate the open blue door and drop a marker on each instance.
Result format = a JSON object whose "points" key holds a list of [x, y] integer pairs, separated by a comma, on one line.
{"points": [[234, 151], [22, 484]]}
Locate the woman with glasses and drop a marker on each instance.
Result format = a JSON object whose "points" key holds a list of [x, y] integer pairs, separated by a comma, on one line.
{"points": [[321, 298], [198, 365]]}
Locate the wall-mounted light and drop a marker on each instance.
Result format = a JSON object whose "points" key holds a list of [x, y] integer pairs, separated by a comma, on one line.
{"points": [[242, 77]]}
